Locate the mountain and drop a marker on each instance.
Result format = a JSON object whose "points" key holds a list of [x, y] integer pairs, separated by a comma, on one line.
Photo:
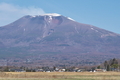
{"points": [[53, 39]]}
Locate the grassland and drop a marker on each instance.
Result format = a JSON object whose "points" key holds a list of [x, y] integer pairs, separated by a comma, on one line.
{"points": [[59, 75]]}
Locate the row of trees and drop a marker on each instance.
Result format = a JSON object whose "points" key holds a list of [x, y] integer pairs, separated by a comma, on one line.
{"points": [[112, 65]]}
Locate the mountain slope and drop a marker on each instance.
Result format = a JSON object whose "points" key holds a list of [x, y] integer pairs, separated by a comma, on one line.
{"points": [[58, 35]]}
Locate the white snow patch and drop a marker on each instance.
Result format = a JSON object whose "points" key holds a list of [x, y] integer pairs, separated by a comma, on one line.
{"points": [[33, 16], [96, 30], [76, 30], [44, 34], [50, 19], [70, 18], [92, 28], [52, 14]]}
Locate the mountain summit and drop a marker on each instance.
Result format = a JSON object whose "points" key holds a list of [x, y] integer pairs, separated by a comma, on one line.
{"points": [[59, 36]]}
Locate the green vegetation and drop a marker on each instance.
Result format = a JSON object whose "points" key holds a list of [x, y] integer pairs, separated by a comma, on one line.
{"points": [[111, 65]]}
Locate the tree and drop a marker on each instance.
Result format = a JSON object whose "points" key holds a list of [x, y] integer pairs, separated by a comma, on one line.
{"points": [[114, 61], [108, 68], [98, 67], [6, 69], [105, 64], [115, 66], [111, 64]]}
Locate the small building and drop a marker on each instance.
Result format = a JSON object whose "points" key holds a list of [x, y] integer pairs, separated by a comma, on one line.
{"points": [[39, 70], [99, 70]]}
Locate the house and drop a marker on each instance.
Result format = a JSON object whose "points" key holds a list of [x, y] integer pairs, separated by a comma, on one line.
{"points": [[62, 70], [99, 70], [39, 70]]}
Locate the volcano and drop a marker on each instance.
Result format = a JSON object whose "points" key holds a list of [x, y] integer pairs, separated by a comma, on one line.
{"points": [[53, 39]]}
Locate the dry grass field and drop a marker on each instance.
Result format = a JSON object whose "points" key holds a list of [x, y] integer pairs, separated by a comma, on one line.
{"points": [[59, 75]]}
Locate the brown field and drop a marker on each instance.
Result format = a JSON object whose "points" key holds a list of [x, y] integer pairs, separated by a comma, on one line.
{"points": [[59, 75]]}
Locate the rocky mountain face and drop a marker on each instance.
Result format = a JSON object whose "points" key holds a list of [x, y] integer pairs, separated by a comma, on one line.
{"points": [[59, 36]]}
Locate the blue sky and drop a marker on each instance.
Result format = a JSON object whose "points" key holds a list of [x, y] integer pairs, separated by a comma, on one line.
{"points": [[101, 13]]}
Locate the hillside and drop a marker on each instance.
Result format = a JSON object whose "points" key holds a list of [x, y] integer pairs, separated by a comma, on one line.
{"points": [[53, 39]]}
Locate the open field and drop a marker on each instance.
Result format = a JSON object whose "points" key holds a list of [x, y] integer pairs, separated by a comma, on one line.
{"points": [[59, 75]]}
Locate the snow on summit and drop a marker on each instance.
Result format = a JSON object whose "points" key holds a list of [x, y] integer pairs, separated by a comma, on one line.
{"points": [[52, 14], [49, 14]]}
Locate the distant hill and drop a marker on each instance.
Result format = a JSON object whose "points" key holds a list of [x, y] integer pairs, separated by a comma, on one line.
{"points": [[53, 39]]}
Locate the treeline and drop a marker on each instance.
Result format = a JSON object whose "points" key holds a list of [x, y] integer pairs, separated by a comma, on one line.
{"points": [[112, 65]]}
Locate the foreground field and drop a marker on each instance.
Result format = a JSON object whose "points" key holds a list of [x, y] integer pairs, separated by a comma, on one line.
{"points": [[60, 76]]}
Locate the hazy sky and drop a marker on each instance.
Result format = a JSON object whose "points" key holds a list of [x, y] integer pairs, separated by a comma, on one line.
{"points": [[101, 13]]}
